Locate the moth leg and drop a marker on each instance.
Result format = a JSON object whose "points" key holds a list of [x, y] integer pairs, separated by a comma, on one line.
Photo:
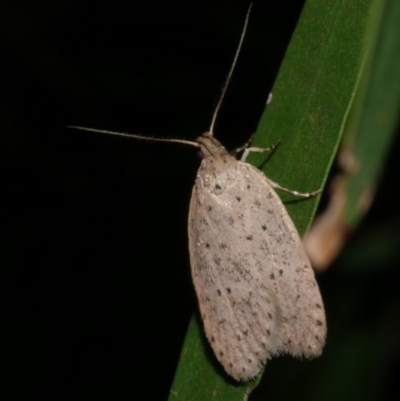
{"points": [[235, 151], [255, 149], [303, 194]]}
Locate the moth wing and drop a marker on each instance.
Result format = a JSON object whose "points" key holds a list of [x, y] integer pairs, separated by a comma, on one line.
{"points": [[287, 267], [256, 289]]}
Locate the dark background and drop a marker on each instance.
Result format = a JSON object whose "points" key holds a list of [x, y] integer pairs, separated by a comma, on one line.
{"points": [[97, 289]]}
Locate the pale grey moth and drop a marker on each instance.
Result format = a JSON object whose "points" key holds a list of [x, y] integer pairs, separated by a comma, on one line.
{"points": [[257, 293], [256, 289]]}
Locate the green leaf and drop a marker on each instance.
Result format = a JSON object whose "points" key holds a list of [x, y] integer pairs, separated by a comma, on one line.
{"points": [[312, 96]]}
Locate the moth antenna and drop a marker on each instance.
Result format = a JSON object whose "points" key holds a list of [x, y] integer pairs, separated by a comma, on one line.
{"points": [[228, 78], [143, 138]]}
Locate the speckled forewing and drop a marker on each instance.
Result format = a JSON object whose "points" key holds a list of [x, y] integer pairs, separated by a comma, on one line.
{"points": [[255, 286]]}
